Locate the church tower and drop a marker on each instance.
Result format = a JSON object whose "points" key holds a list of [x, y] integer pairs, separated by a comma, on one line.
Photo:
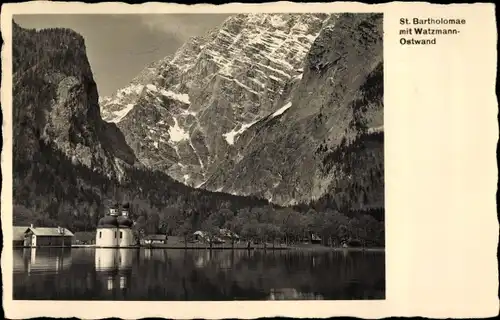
{"points": [[107, 229], [126, 236]]}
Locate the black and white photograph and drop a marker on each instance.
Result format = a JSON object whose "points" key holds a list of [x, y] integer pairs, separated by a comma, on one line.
{"points": [[198, 157]]}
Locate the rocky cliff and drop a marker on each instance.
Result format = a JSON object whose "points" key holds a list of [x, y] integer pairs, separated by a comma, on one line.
{"points": [[67, 162], [327, 139], [288, 107], [56, 102], [184, 114]]}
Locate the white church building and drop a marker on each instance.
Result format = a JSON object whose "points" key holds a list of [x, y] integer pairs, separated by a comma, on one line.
{"points": [[114, 230]]}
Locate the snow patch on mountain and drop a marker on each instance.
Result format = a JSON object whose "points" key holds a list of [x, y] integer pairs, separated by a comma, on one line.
{"points": [[245, 87], [184, 98], [134, 88], [117, 116], [188, 112], [281, 110], [231, 135], [203, 98], [177, 133]]}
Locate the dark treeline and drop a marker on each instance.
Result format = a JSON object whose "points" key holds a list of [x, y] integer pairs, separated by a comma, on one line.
{"points": [[359, 161], [363, 159], [51, 48], [55, 191]]}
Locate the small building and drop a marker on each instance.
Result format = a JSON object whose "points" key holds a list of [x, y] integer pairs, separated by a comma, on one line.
{"points": [[18, 236], [228, 235], [84, 237], [175, 241], [155, 239], [48, 237], [202, 236], [315, 239]]}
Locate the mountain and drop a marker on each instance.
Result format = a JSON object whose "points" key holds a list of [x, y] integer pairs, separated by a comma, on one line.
{"points": [[287, 107], [327, 139], [69, 163], [314, 137], [58, 95], [184, 114]]}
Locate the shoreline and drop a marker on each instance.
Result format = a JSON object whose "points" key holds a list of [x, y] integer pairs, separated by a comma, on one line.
{"points": [[310, 248], [324, 248]]}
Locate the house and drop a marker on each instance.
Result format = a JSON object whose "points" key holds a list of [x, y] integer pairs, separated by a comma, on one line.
{"points": [[315, 238], [311, 238], [48, 237], [200, 236], [18, 236], [84, 237], [155, 239], [205, 237], [228, 235], [175, 241]]}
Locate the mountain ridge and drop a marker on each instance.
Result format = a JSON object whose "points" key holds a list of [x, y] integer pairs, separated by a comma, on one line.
{"points": [[323, 123], [212, 89], [68, 162], [64, 168], [209, 141]]}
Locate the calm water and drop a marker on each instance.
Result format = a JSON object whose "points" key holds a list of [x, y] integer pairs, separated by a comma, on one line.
{"points": [[170, 274]]}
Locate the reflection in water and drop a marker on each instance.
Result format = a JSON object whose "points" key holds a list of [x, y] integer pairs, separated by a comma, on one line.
{"points": [[107, 259], [37, 260], [292, 294], [157, 274], [203, 259], [115, 266]]}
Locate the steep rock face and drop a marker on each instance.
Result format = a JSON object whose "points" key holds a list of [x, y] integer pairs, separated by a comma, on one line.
{"points": [[327, 139], [114, 110], [68, 163], [185, 114], [56, 102], [64, 155]]}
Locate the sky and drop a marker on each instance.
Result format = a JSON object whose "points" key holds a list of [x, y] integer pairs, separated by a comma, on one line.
{"points": [[119, 46]]}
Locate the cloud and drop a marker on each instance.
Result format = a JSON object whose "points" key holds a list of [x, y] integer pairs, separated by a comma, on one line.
{"points": [[183, 26]]}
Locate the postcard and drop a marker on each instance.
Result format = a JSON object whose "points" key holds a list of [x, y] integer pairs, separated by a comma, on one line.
{"points": [[249, 160]]}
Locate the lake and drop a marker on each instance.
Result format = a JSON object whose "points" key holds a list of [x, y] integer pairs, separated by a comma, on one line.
{"points": [[196, 275]]}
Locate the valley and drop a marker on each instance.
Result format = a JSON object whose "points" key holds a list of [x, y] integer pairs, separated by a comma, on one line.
{"points": [[270, 125]]}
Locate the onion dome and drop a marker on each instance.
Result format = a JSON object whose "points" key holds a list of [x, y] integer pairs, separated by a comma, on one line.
{"points": [[124, 221], [107, 222]]}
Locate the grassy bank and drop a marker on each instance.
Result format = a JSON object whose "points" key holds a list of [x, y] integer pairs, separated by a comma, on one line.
{"points": [[318, 247], [244, 246], [236, 246]]}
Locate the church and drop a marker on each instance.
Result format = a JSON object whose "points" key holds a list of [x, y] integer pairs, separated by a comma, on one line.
{"points": [[114, 230]]}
